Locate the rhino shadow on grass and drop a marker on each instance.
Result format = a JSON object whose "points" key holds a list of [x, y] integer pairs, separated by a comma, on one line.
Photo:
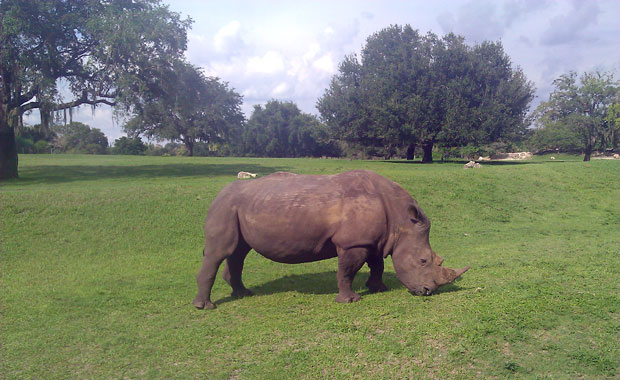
{"points": [[325, 283]]}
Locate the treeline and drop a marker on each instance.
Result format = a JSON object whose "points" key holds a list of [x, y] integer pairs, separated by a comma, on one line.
{"points": [[277, 129], [582, 115], [406, 94]]}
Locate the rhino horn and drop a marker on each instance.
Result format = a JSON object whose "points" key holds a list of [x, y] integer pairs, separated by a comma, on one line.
{"points": [[448, 275], [438, 259]]}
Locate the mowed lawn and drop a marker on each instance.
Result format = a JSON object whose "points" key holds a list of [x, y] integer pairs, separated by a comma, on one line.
{"points": [[99, 256]]}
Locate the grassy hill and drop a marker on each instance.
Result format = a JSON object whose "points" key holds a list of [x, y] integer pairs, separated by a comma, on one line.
{"points": [[99, 256]]}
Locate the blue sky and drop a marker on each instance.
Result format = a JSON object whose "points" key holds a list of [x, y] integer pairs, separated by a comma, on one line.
{"points": [[289, 50]]}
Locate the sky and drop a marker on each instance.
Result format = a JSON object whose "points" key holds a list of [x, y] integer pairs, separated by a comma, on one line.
{"points": [[289, 50]]}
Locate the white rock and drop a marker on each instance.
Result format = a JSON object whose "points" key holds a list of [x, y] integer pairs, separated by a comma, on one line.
{"points": [[472, 164], [244, 175]]}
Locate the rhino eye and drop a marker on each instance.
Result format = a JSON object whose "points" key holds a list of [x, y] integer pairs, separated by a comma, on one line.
{"points": [[415, 221], [423, 261]]}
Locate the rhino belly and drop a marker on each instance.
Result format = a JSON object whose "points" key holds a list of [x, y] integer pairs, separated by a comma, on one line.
{"points": [[287, 240]]}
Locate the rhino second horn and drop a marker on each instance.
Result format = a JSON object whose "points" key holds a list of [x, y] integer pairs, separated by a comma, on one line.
{"points": [[438, 260], [450, 275]]}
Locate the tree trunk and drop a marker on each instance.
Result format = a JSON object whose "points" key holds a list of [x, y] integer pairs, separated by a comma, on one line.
{"points": [[8, 148], [588, 152], [189, 144], [411, 152], [428, 153]]}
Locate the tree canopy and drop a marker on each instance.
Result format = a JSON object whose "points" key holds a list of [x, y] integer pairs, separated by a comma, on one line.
{"points": [[280, 129], [77, 137], [103, 52], [584, 107], [129, 146], [191, 107], [408, 88]]}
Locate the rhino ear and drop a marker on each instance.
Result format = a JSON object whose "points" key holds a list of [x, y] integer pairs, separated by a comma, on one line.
{"points": [[416, 215]]}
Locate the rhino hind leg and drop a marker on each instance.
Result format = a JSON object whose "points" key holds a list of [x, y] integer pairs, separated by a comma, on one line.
{"points": [[375, 281], [233, 270], [349, 263]]}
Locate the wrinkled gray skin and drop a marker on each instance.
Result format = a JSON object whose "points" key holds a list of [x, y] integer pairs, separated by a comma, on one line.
{"points": [[358, 216]]}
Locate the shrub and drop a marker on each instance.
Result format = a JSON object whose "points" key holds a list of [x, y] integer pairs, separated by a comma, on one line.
{"points": [[154, 150], [24, 145], [41, 146], [130, 146]]}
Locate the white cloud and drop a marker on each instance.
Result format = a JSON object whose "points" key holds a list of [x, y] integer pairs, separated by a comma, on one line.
{"points": [[227, 37], [270, 63], [573, 26], [475, 20], [280, 89], [312, 52], [325, 64], [249, 93]]}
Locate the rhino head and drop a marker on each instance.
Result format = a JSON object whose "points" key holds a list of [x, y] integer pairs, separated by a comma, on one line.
{"points": [[417, 266]]}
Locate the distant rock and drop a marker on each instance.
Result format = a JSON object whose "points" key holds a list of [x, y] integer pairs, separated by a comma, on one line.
{"points": [[512, 156], [244, 175], [472, 165]]}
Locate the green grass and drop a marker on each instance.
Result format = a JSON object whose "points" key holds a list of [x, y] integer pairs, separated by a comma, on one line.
{"points": [[99, 256]]}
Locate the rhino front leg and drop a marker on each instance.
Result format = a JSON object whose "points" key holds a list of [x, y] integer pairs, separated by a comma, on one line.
{"points": [[375, 281], [349, 263], [205, 279]]}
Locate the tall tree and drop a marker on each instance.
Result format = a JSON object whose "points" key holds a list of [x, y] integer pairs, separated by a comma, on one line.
{"points": [[280, 129], [583, 105], [408, 89], [103, 52], [192, 107]]}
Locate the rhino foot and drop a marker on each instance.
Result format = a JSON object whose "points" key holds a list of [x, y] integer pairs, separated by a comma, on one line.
{"points": [[208, 305], [376, 287], [240, 293], [348, 298]]}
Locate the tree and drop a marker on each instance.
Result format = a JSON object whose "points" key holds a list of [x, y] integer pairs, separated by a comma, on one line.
{"points": [[556, 136], [192, 107], [407, 89], [280, 129], [77, 137], [613, 118], [129, 146], [102, 52], [582, 105]]}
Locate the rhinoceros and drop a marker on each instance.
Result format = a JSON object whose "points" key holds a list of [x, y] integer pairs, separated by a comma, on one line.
{"points": [[358, 216]]}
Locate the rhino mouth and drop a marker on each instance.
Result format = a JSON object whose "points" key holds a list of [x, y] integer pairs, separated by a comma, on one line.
{"points": [[423, 291]]}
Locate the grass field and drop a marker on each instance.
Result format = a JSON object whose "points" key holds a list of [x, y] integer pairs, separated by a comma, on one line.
{"points": [[99, 256]]}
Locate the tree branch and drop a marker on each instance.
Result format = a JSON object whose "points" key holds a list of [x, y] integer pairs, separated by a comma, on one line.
{"points": [[23, 98], [83, 99]]}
